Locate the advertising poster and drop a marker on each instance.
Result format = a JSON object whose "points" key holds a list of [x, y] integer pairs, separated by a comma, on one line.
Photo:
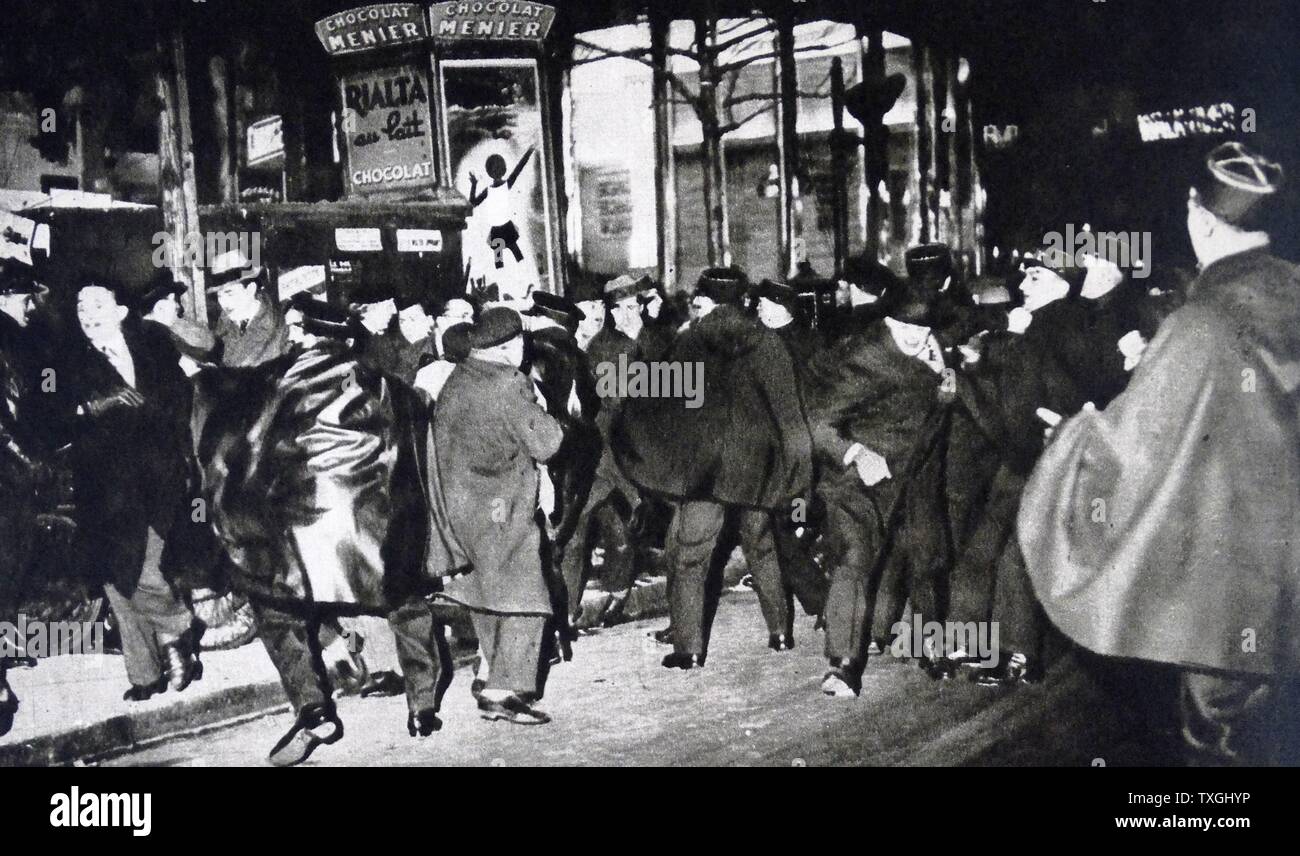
{"points": [[494, 129], [387, 127]]}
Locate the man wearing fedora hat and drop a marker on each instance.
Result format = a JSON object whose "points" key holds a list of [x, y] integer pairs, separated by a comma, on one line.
{"points": [[250, 329], [491, 436], [1193, 472]]}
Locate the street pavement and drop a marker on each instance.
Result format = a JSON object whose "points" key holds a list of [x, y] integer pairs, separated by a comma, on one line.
{"points": [[615, 705]]}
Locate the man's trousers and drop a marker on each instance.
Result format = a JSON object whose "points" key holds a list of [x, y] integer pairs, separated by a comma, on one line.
{"points": [[611, 510], [855, 535], [150, 619], [512, 648], [695, 549], [295, 640]]}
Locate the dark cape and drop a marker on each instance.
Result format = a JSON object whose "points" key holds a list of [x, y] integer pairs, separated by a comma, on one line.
{"points": [[323, 485], [747, 444], [1167, 527]]}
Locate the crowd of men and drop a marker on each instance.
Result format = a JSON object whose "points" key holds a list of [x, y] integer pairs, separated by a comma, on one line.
{"points": [[1067, 451]]}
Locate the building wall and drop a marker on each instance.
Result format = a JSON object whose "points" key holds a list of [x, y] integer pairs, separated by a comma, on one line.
{"points": [[21, 165]]}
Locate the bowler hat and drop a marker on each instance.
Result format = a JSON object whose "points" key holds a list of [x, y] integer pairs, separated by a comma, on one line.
{"points": [[496, 325], [870, 275], [160, 285]]}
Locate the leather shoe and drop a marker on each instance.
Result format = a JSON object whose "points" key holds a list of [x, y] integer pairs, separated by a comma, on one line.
{"points": [[316, 725], [841, 681], [511, 709], [182, 668], [780, 641], [383, 684], [665, 636], [146, 692], [423, 723], [8, 707], [476, 687], [23, 662], [683, 661], [1016, 669]]}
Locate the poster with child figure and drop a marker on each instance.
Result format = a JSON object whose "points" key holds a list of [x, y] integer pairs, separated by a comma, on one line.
{"points": [[494, 130]]}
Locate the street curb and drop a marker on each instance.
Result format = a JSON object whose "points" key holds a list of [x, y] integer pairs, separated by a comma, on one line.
{"points": [[127, 732]]}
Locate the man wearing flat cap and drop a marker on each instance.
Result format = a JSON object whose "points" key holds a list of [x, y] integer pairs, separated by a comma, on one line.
{"points": [[1194, 469], [491, 437], [730, 465], [611, 502]]}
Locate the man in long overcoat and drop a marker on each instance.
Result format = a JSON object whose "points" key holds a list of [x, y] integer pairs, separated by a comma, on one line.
{"points": [[491, 435], [875, 406]]}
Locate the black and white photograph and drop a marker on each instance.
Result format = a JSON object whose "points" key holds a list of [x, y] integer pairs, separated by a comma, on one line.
{"points": [[651, 383]]}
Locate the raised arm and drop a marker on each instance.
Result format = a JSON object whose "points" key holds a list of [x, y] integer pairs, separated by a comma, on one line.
{"points": [[519, 167]]}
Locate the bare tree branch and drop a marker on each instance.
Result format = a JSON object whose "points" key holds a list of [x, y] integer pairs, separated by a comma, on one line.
{"points": [[641, 55], [735, 40], [736, 126]]}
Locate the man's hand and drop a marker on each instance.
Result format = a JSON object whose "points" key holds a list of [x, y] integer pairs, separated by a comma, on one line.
{"points": [[97, 407], [872, 468]]}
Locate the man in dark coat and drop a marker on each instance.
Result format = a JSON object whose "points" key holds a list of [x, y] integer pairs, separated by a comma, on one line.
{"points": [[564, 377], [777, 307], [491, 435], [875, 406], [1164, 528], [23, 471], [999, 395], [419, 347], [251, 329], [611, 502], [315, 468], [131, 469], [738, 449]]}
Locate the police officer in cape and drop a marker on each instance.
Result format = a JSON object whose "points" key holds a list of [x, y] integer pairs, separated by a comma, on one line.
{"points": [[1165, 527], [731, 466], [317, 490]]}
